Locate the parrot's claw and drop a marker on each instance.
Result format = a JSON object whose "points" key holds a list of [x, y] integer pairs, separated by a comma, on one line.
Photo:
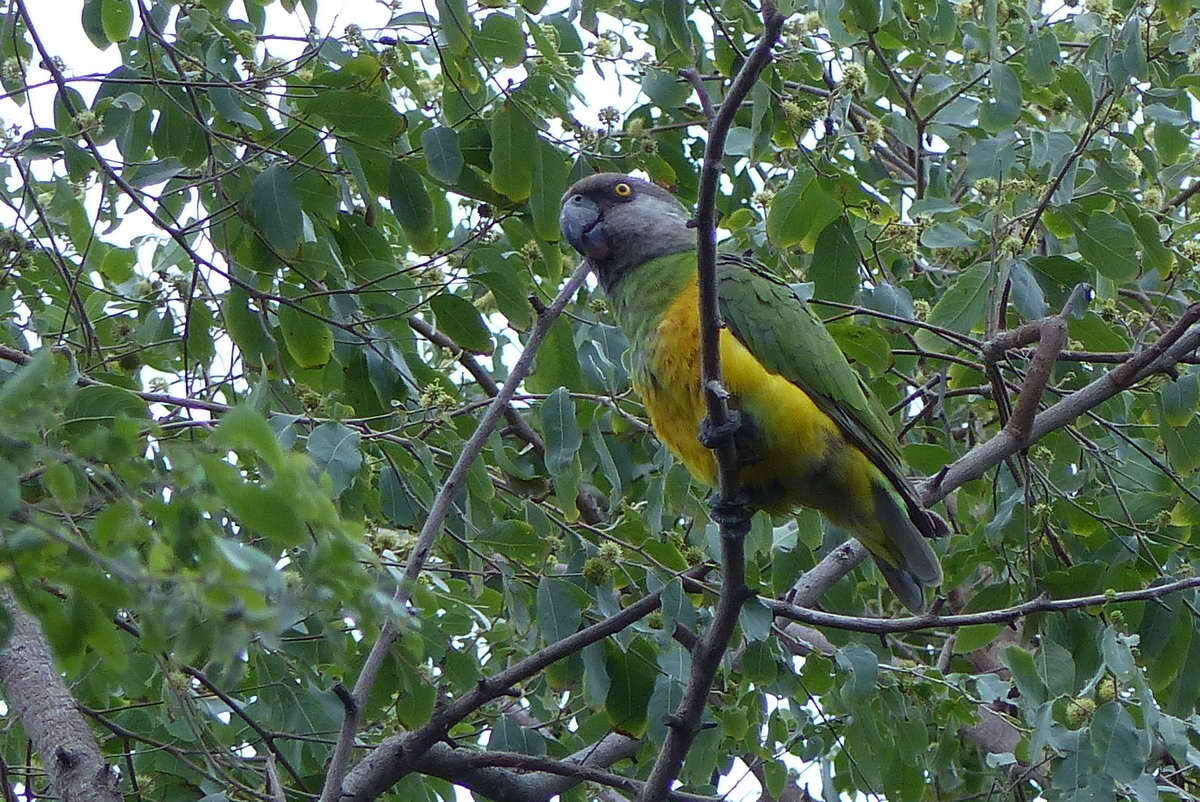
{"points": [[732, 515], [714, 436]]}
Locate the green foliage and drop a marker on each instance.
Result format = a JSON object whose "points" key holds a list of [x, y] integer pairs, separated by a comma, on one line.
{"points": [[225, 419]]}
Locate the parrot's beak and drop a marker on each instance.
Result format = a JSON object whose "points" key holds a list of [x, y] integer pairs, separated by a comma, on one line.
{"points": [[584, 227]]}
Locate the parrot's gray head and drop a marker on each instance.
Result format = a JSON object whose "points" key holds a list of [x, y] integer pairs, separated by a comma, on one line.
{"points": [[620, 222]]}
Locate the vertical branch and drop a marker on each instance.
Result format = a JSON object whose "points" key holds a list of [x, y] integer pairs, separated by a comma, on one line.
{"points": [[353, 701], [685, 722]]}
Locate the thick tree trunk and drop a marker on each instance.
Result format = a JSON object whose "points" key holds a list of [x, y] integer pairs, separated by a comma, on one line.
{"points": [[35, 691]]}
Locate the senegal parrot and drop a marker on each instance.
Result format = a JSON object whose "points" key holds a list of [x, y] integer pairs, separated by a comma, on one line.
{"points": [[810, 434]]}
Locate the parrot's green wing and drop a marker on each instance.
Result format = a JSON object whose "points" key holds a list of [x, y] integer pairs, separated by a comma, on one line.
{"points": [[774, 325]]}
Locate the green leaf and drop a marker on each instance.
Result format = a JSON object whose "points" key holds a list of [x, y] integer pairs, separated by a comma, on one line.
{"points": [[244, 429], [513, 141], [1110, 245], [443, 158], [1180, 399], [500, 38], [307, 338], [1055, 668], [665, 89], [975, 636], [1117, 743], [93, 23], [675, 661], [864, 14], [358, 114], [412, 206], [116, 17], [1129, 54], [459, 320], [557, 363], [945, 235], [102, 404], [455, 25], [1041, 57], [276, 209], [505, 279], [558, 610], [631, 676], [759, 663], [863, 344], [756, 619], [1064, 272], [247, 328], [1005, 106], [334, 447], [787, 220], [560, 429], [1182, 444], [396, 502], [514, 539], [228, 104], [664, 701], [862, 668], [10, 488], [1076, 86], [550, 170], [509, 736], [1156, 254], [1095, 334], [675, 14], [834, 267], [960, 308], [1024, 671], [177, 132], [1026, 294], [1175, 12]]}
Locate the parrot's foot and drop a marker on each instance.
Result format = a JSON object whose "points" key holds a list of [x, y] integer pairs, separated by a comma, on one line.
{"points": [[732, 515], [739, 429], [713, 436]]}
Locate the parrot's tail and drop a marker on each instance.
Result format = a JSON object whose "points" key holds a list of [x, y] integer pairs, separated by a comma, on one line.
{"points": [[913, 565]]}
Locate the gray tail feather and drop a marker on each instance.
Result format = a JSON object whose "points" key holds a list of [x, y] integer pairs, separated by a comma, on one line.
{"points": [[908, 589], [919, 566]]}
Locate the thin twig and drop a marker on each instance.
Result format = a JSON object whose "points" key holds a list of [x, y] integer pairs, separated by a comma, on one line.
{"points": [[883, 626], [266, 736], [697, 83], [438, 510]]}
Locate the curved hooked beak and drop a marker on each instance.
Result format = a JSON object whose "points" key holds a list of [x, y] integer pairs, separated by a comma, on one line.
{"points": [[583, 227]]}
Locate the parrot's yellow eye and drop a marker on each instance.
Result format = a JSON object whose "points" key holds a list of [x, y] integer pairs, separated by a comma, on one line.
{"points": [[623, 190]]}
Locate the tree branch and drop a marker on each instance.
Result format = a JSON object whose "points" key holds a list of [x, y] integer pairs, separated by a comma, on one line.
{"points": [[390, 761], [1175, 345], [485, 772], [41, 701], [883, 626], [685, 722], [438, 510], [589, 506]]}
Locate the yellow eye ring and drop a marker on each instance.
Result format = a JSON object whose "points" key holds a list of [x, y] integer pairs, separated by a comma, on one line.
{"points": [[622, 190]]}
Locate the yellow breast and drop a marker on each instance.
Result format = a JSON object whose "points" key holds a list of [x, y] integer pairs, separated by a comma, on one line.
{"points": [[796, 436]]}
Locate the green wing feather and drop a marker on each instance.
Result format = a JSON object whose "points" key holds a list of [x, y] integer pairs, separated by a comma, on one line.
{"points": [[771, 321]]}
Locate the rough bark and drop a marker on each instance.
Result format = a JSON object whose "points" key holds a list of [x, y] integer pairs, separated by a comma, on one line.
{"points": [[37, 694]]}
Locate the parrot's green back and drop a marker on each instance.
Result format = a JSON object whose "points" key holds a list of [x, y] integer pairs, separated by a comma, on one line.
{"points": [[766, 316]]}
